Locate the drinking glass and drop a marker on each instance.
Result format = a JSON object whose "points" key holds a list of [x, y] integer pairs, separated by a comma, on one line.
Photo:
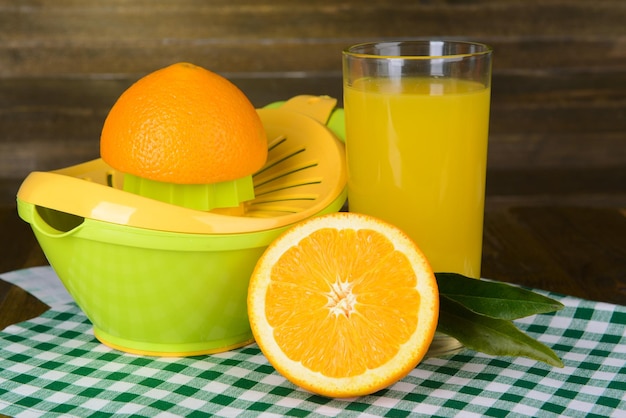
{"points": [[417, 119]]}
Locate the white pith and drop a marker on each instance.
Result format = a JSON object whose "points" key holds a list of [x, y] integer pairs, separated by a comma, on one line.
{"points": [[341, 300]]}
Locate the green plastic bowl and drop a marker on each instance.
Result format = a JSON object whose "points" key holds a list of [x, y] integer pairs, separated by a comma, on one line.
{"points": [[152, 292]]}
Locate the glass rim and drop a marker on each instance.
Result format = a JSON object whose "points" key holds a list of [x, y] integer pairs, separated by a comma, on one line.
{"points": [[351, 51]]}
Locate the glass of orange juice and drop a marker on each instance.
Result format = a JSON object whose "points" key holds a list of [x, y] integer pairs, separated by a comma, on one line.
{"points": [[417, 119]]}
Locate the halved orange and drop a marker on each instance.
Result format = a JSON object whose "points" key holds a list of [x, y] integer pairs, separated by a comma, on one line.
{"points": [[343, 304]]}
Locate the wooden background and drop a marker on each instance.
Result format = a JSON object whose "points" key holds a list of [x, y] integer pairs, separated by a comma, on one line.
{"points": [[559, 84]]}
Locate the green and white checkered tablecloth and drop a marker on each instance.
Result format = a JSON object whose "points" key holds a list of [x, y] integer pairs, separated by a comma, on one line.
{"points": [[53, 366]]}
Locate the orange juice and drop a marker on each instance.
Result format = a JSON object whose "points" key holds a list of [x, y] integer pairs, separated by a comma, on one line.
{"points": [[417, 151]]}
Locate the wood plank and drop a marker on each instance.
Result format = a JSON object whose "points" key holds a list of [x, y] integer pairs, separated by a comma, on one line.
{"points": [[558, 182], [321, 19], [270, 56], [570, 151], [533, 265], [69, 37], [523, 117], [598, 261], [19, 246], [590, 265], [17, 305]]}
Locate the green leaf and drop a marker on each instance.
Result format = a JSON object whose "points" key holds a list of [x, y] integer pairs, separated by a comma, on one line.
{"points": [[497, 337], [494, 299]]}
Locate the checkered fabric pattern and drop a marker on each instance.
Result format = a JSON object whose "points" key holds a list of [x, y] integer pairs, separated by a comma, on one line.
{"points": [[53, 366]]}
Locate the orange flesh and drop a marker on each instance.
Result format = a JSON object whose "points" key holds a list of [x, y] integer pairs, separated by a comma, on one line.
{"points": [[327, 289]]}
